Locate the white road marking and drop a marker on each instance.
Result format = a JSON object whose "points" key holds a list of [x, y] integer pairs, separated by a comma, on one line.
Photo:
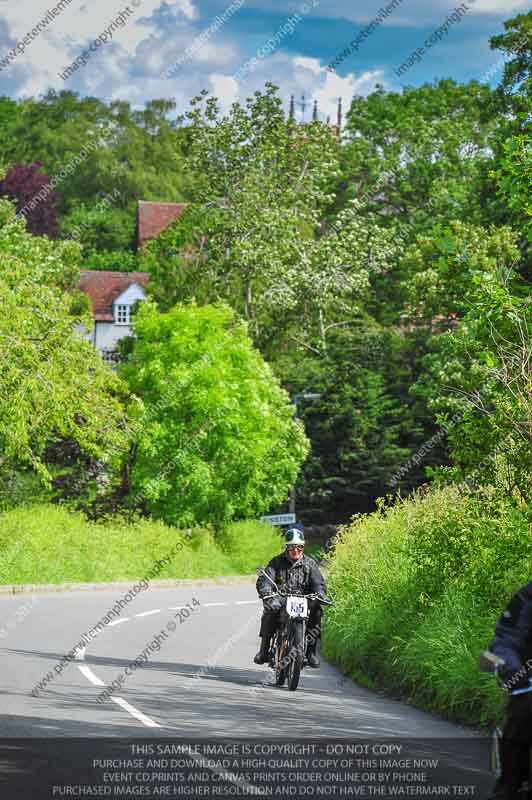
{"points": [[175, 608], [89, 674], [214, 604], [149, 613], [244, 602], [118, 621], [135, 713]]}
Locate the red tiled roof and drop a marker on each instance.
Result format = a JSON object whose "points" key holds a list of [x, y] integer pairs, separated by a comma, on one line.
{"points": [[155, 217], [104, 287]]}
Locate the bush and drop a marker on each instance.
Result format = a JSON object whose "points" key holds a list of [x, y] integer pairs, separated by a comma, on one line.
{"points": [[249, 544], [49, 544], [418, 588]]}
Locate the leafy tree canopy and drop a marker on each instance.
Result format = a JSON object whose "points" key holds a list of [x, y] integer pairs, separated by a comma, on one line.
{"points": [[53, 384], [216, 437]]}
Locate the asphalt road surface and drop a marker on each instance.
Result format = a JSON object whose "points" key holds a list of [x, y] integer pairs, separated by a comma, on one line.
{"points": [[202, 682]]}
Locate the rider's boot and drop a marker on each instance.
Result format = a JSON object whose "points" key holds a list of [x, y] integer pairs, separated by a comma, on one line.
{"points": [[312, 655], [264, 653]]}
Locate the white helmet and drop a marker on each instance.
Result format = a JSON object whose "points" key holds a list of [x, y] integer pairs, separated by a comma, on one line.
{"points": [[294, 536]]}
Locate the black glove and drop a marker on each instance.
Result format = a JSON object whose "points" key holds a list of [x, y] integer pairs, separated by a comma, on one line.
{"points": [[274, 603]]}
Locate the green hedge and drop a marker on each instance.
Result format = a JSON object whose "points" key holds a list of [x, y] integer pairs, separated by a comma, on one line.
{"points": [[418, 588], [50, 544]]}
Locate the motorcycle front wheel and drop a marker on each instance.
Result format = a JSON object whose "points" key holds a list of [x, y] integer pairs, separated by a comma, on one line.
{"points": [[297, 655], [280, 672]]}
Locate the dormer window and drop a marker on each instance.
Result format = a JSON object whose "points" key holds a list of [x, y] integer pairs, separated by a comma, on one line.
{"points": [[122, 314]]}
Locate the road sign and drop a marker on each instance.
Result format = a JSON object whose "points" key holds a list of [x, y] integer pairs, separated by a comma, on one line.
{"points": [[280, 519]]}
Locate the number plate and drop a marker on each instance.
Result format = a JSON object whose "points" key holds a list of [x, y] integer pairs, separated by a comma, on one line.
{"points": [[296, 606]]}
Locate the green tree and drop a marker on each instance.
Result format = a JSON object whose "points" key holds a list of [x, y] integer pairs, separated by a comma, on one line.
{"points": [[363, 426], [255, 235], [216, 439], [422, 154], [515, 183], [516, 44], [53, 384]]}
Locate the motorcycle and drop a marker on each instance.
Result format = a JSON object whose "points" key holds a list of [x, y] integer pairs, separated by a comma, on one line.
{"points": [[289, 643]]}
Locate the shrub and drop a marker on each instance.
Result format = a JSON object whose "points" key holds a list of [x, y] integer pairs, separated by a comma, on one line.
{"points": [[418, 588], [49, 544]]}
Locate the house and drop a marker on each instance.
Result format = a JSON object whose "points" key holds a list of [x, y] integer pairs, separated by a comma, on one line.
{"points": [[152, 218], [112, 296]]}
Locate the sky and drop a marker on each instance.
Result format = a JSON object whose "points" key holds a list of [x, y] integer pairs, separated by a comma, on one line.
{"points": [[137, 50]]}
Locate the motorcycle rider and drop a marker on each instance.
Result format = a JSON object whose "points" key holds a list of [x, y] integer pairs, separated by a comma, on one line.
{"points": [[291, 571], [513, 643]]}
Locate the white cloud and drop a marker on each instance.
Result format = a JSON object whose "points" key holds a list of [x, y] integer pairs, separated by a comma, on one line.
{"points": [[225, 87], [326, 87], [66, 36], [312, 64]]}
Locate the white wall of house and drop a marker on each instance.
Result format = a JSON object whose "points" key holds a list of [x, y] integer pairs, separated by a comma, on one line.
{"points": [[106, 335]]}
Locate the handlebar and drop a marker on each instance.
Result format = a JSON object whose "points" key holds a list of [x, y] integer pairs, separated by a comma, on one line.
{"points": [[312, 596]]}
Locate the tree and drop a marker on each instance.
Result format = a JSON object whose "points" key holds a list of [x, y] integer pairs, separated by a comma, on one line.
{"points": [[422, 154], [53, 384], [216, 439], [516, 44], [515, 182], [92, 150], [255, 236], [363, 426], [30, 188]]}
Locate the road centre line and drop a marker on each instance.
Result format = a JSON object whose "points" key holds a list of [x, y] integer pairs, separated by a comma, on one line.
{"points": [[244, 602], [136, 713], [118, 621], [214, 604], [148, 613], [89, 674]]}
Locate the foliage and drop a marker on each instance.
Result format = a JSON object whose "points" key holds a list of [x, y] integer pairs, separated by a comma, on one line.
{"points": [[363, 426], [95, 150], [515, 182], [516, 44], [418, 588], [101, 228], [444, 268], [50, 544], [254, 236], [421, 154], [249, 544], [215, 436], [23, 183], [53, 385]]}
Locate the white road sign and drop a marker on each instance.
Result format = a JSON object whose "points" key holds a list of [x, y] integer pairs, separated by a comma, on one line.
{"points": [[280, 519]]}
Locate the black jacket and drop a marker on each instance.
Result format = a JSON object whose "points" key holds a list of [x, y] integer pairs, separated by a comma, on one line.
{"points": [[302, 575], [513, 632]]}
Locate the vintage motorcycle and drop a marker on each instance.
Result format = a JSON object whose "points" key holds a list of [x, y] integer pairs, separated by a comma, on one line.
{"points": [[289, 643]]}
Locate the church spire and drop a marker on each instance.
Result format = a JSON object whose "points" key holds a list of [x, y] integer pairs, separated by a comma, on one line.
{"points": [[339, 117]]}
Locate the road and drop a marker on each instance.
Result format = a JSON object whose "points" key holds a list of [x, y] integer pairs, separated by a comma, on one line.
{"points": [[201, 683]]}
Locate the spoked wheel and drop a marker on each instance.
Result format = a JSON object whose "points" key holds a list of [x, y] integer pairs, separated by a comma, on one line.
{"points": [[297, 656], [280, 671]]}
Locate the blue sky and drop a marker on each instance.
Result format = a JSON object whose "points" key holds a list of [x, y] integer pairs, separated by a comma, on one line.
{"points": [[155, 51]]}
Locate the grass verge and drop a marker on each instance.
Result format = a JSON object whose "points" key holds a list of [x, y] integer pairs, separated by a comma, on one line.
{"points": [[418, 588], [50, 544]]}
